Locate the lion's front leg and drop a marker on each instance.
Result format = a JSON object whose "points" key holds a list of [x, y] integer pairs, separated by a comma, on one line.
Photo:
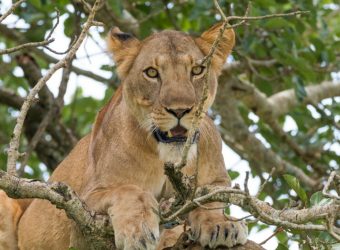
{"points": [[133, 213], [212, 228]]}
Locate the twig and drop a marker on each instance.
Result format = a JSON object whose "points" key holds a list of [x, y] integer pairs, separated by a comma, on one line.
{"points": [[16, 36], [62, 53], [278, 230], [206, 62], [240, 219], [96, 23], [246, 18], [327, 185], [51, 114], [15, 141], [288, 218], [265, 182], [10, 11], [54, 26], [25, 46], [330, 225], [47, 40], [195, 177], [209, 208]]}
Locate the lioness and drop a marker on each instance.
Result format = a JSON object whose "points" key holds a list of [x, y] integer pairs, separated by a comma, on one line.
{"points": [[118, 168]]}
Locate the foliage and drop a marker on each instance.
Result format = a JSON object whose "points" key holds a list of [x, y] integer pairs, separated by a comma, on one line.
{"points": [[305, 51]]}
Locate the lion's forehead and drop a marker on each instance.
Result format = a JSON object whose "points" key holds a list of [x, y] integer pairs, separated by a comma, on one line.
{"points": [[177, 45], [178, 58]]}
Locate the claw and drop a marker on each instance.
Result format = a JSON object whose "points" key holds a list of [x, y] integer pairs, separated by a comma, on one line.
{"points": [[153, 237], [143, 242], [226, 233], [218, 230]]}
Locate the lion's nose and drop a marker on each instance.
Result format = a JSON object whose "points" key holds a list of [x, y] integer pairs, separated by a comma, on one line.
{"points": [[179, 113]]}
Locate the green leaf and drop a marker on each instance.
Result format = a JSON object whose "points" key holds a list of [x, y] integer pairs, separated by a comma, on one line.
{"points": [[299, 88], [277, 23], [295, 185], [282, 247], [233, 174], [318, 199], [36, 3]]}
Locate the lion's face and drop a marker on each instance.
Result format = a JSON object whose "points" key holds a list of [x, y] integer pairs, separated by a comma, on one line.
{"points": [[163, 82]]}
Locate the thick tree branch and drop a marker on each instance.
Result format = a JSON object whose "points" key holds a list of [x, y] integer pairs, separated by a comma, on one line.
{"points": [[33, 74], [96, 228], [288, 218], [10, 98], [284, 101], [258, 103], [235, 128]]}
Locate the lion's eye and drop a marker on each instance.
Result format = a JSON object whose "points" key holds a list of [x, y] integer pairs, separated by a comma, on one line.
{"points": [[151, 72], [197, 70]]}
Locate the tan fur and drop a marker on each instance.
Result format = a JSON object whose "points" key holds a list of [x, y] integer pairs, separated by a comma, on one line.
{"points": [[10, 212], [118, 168]]}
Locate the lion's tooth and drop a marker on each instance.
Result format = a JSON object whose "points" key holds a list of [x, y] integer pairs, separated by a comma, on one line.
{"points": [[169, 134]]}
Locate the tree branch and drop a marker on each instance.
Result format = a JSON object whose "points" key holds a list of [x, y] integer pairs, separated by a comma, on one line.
{"points": [[25, 46], [235, 128], [96, 228], [258, 103], [49, 152], [13, 153], [10, 11], [18, 37], [284, 101]]}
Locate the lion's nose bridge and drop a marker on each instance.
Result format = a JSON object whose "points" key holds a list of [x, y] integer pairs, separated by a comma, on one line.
{"points": [[180, 96]]}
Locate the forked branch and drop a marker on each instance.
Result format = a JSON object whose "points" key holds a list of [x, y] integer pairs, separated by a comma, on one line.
{"points": [[13, 153]]}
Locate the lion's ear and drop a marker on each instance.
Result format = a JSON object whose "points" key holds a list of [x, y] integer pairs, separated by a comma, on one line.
{"points": [[206, 40], [124, 47]]}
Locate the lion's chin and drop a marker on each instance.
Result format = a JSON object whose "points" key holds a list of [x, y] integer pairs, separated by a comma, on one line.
{"points": [[175, 135], [171, 143], [172, 152]]}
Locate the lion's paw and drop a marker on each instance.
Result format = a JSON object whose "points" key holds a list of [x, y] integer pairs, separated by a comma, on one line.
{"points": [[134, 235], [218, 231]]}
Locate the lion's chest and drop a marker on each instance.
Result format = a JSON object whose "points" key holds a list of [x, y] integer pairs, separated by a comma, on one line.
{"points": [[143, 171], [153, 179]]}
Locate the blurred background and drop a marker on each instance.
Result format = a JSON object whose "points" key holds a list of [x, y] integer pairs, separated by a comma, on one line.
{"points": [[278, 103]]}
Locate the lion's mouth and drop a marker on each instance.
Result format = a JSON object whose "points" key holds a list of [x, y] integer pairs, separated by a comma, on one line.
{"points": [[176, 134]]}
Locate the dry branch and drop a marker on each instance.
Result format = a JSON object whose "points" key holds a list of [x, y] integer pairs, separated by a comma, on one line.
{"points": [[96, 228], [287, 218], [19, 38], [25, 46], [172, 169], [52, 113], [13, 153], [10, 11]]}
